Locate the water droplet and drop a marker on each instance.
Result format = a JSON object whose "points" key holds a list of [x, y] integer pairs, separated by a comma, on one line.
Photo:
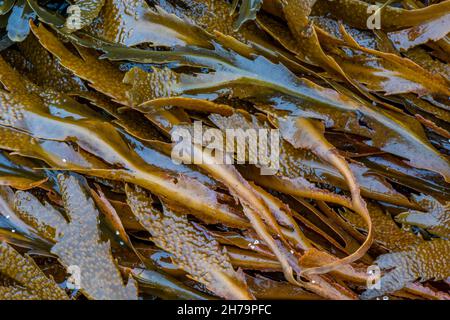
{"points": [[292, 251], [385, 298], [64, 160], [313, 281], [7, 217], [252, 247], [121, 243], [117, 232], [256, 242], [13, 231]]}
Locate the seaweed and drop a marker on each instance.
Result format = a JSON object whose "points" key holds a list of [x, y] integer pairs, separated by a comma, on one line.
{"points": [[93, 177], [247, 11], [435, 220], [32, 284], [424, 261], [193, 249]]}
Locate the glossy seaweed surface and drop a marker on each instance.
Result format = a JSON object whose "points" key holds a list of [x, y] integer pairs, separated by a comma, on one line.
{"points": [[96, 202]]}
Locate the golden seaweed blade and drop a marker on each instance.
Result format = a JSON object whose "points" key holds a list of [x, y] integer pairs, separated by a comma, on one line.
{"points": [[96, 203]]}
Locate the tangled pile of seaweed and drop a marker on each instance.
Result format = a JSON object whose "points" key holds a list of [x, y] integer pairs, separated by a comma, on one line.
{"points": [[93, 206]]}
